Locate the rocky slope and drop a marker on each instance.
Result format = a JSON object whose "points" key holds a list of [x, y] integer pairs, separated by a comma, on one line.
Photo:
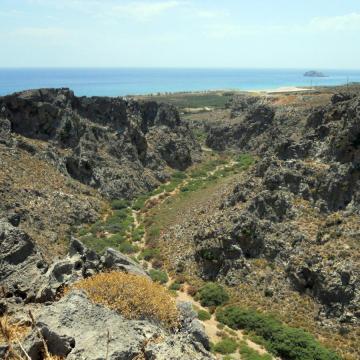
{"points": [[284, 236], [72, 325], [62, 159], [118, 146], [56, 148], [291, 225]]}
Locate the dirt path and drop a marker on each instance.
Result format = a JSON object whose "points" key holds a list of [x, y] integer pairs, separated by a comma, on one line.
{"points": [[212, 326]]}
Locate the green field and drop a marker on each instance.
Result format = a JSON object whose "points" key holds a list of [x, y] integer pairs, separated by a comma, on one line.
{"points": [[193, 100]]}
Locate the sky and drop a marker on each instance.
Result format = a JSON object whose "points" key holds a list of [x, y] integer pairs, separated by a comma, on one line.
{"points": [[319, 34]]}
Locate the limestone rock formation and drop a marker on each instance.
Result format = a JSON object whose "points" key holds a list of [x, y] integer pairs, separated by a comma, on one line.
{"points": [[77, 328], [27, 277], [119, 146], [74, 327]]}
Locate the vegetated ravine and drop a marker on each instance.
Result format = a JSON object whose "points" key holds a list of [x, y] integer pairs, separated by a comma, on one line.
{"points": [[250, 212]]}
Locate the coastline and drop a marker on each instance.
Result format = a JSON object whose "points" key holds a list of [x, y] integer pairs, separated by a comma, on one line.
{"points": [[283, 89], [123, 82]]}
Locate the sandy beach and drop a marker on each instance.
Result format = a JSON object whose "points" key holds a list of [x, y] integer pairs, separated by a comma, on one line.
{"points": [[285, 89]]}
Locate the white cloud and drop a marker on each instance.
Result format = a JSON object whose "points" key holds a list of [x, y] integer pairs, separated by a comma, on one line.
{"points": [[221, 30], [336, 23], [138, 10]]}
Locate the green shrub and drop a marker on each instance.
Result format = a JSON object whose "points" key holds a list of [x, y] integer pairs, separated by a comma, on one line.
{"points": [[150, 253], [226, 346], [193, 185], [227, 357], [117, 238], [83, 231], [119, 204], [158, 276], [179, 175], [203, 315], [154, 232], [113, 227], [250, 354], [120, 221], [245, 161], [198, 173], [92, 242], [127, 248], [172, 185], [283, 341], [138, 233], [212, 294], [175, 286], [96, 227], [139, 203]]}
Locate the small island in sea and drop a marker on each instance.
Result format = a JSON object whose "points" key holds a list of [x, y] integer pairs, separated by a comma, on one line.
{"points": [[314, 73]]}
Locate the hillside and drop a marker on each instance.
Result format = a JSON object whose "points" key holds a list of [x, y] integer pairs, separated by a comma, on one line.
{"points": [[285, 235], [245, 208]]}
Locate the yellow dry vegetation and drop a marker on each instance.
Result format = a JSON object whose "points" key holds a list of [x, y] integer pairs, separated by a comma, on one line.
{"points": [[11, 334], [133, 296], [11, 331]]}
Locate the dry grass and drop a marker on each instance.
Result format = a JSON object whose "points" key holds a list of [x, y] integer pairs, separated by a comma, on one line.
{"points": [[11, 334], [135, 297], [11, 331], [46, 199]]}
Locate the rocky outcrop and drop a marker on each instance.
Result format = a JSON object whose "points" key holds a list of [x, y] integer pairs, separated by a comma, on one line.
{"points": [[22, 267], [313, 73], [74, 327], [253, 118], [119, 146], [26, 277]]}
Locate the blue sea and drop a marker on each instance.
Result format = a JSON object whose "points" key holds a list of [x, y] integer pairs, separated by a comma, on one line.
{"points": [[131, 81]]}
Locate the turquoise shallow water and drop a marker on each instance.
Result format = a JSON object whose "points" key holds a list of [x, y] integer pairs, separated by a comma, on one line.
{"points": [[121, 81]]}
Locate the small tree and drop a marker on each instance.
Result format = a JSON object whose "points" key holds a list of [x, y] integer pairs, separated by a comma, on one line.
{"points": [[212, 294]]}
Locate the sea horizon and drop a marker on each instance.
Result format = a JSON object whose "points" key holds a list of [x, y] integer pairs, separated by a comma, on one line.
{"points": [[122, 81]]}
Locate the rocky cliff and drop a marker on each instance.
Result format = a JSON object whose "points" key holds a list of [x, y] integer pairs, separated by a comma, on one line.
{"points": [[62, 155], [121, 147]]}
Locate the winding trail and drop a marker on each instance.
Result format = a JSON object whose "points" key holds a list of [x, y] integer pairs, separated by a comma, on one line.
{"points": [[212, 326]]}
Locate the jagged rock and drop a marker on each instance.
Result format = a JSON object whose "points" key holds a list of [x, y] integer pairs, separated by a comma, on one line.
{"points": [[190, 324], [251, 121], [5, 130], [83, 327], [26, 277], [58, 345], [336, 98], [197, 331], [273, 206], [334, 285], [119, 146], [81, 263], [116, 260], [22, 267], [247, 236]]}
